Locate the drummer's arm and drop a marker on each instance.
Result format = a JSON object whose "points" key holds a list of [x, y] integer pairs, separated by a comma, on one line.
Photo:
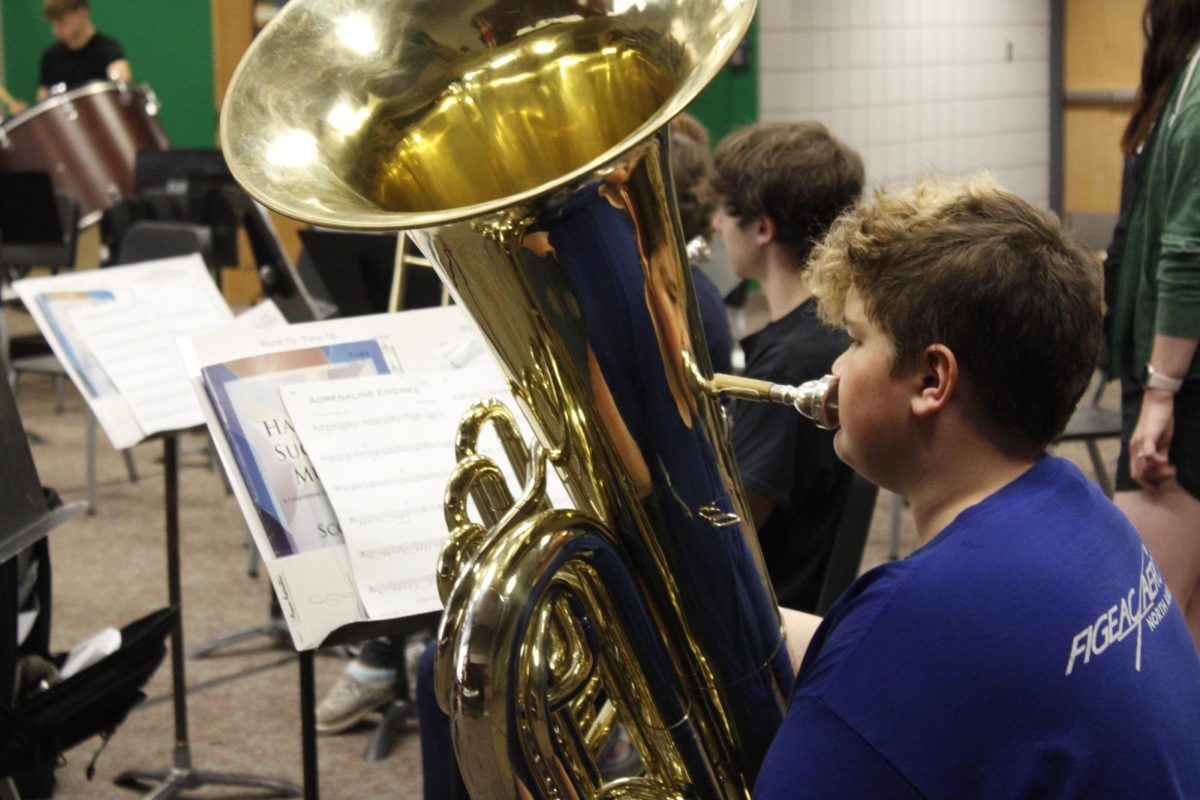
{"points": [[14, 105], [119, 70]]}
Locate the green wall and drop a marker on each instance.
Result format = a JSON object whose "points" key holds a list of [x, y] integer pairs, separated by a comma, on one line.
{"points": [[169, 46], [731, 100]]}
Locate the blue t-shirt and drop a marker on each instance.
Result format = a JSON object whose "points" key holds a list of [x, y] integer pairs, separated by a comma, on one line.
{"points": [[1031, 649]]}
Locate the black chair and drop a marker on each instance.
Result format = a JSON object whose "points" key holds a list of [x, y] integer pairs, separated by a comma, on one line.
{"points": [[38, 226], [849, 542], [146, 240], [1089, 424]]}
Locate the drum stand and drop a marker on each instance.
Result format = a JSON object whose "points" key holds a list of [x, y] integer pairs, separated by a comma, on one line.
{"points": [[182, 776]]}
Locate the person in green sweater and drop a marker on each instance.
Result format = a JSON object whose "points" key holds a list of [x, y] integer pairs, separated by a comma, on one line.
{"points": [[1156, 310]]}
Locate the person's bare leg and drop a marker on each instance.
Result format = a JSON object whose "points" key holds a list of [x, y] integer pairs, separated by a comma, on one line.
{"points": [[800, 627], [1168, 519]]}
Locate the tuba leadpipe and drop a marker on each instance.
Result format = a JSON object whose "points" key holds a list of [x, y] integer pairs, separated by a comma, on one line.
{"points": [[523, 146], [816, 400]]}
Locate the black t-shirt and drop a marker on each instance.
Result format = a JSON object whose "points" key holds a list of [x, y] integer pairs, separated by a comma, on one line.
{"points": [[786, 458], [61, 64]]}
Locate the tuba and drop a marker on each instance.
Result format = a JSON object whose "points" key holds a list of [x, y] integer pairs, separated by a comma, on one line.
{"points": [[522, 145]]}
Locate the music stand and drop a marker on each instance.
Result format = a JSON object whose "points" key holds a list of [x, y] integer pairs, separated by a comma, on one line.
{"points": [[359, 269], [280, 282], [182, 776], [296, 304]]}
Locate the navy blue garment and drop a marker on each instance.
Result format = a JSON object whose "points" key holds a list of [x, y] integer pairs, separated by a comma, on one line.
{"points": [[439, 767], [1031, 649], [715, 320]]}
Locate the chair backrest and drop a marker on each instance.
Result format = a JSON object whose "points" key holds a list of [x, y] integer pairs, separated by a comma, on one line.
{"points": [[850, 541], [37, 224], [146, 240]]}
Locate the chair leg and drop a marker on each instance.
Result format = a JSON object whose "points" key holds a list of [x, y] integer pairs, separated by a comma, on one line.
{"points": [[91, 463], [130, 465], [1098, 465], [59, 395]]}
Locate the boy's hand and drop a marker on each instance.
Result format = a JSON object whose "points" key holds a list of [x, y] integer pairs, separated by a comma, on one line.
{"points": [[1148, 464]]}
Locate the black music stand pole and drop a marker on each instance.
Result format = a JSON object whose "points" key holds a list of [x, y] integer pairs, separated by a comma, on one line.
{"points": [[308, 726], [182, 776]]}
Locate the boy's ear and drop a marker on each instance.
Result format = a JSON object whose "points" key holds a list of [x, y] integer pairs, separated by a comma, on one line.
{"points": [[764, 230], [936, 380]]}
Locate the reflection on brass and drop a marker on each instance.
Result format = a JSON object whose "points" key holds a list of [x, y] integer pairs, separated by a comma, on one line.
{"points": [[522, 145]]}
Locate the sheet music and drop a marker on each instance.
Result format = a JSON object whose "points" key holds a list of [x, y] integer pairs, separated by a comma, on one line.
{"points": [[138, 354], [317, 589], [263, 316], [384, 448], [178, 294]]}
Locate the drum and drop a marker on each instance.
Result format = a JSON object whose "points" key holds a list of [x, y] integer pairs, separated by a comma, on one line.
{"points": [[87, 140]]}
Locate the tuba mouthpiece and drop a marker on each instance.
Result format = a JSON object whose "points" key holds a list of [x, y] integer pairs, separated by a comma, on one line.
{"points": [[817, 400]]}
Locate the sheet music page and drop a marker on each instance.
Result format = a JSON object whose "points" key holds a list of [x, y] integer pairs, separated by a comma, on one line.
{"points": [[177, 292], [263, 316], [316, 589], [138, 354], [384, 448]]}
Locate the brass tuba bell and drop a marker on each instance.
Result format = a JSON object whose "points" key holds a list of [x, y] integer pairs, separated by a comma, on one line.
{"points": [[523, 146]]}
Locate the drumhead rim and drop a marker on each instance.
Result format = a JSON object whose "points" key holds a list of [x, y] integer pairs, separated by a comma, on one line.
{"points": [[56, 100]]}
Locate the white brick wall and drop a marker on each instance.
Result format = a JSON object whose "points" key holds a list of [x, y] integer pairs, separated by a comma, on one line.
{"points": [[917, 86]]}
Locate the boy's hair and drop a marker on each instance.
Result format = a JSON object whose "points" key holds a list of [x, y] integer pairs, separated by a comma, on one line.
{"points": [[795, 173], [53, 9], [691, 169], [976, 268], [685, 125]]}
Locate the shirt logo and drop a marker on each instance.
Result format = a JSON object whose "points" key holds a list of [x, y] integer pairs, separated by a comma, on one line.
{"points": [[1147, 602]]}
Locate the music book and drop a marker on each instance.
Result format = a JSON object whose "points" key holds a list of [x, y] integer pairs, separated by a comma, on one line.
{"points": [[243, 379], [289, 499]]}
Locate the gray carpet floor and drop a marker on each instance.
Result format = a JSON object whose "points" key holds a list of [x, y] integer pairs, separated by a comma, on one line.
{"points": [[243, 705]]}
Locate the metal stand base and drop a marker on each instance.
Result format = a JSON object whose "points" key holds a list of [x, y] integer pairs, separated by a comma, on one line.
{"points": [[182, 777], [275, 631], [384, 738]]}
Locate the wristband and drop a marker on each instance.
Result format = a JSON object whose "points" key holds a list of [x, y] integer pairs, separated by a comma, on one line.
{"points": [[1156, 380]]}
